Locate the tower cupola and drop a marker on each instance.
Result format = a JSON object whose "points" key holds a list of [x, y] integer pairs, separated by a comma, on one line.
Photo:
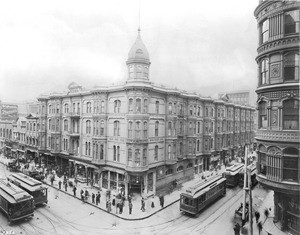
{"points": [[138, 61]]}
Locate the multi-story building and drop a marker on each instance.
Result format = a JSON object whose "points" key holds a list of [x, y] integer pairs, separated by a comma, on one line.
{"points": [[138, 136], [6, 130], [278, 108], [236, 97]]}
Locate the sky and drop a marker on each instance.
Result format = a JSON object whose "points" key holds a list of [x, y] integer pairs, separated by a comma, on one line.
{"points": [[194, 45]]}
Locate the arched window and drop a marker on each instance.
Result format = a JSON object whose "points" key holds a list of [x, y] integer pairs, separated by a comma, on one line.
{"points": [[118, 153], [174, 151], [130, 130], [145, 130], [138, 130], [169, 128], [157, 106], [145, 106], [33, 126], [169, 152], [115, 152], [180, 168], [101, 151], [291, 22], [102, 128], [262, 114], [170, 108], [57, 125], [88, 107], [65, 125], [138, 105], [198, 145], [88, 127], [117, 106], [144, 157], [156, 128], [116, 128], [180, 149], [102, 107], [262, 162], [137, 157], [130, 105], [191, 110], [291, 67], [156, 153], [291, 114], [190, 128]]}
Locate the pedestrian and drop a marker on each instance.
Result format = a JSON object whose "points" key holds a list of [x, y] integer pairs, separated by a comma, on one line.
{"points": [[161, 200], [152, 201], [121, 207], [237, 228], [129, 198], [98, 196], [93, 198], [74, 190], [66, 186], [130, 207], [86, 194], [109, 205], [52, 180], [143, 205], [82, 195], [75, 180], [257, 215], [59, 184]]}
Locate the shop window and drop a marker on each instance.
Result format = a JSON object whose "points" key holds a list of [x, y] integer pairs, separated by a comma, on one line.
{"points": [[291, 114]]}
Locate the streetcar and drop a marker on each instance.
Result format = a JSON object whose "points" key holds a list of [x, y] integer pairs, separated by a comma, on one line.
{"points": [[252, 168], [232, 174], [32, 186], [15, 203], [196, 198]]}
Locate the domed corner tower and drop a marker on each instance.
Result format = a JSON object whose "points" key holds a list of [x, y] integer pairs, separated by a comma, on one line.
{"points": [[138, 61], [278, 164]]}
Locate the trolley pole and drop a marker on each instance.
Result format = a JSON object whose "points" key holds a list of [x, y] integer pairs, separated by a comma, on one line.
{"points": [[250, 202], [245, 187]]}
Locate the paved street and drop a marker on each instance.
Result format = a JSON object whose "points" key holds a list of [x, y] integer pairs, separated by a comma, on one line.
{"points": [[69, 215]]}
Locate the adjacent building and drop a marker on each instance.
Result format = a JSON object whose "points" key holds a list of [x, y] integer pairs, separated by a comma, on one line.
{"points": [[138, 136], [278, 108], [236, 97]]}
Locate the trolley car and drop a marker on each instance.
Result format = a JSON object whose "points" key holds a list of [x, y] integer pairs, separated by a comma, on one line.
{"points": [[232, 174], [196, 198], [15, 203], [252, 168], [32, 186]]}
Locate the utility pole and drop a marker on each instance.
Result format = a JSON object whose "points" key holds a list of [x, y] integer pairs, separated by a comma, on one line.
{"points": [[245, 187], [250, 201]]}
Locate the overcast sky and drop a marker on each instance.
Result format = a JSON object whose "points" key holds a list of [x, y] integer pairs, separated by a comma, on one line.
{"points": [[207, 46]]}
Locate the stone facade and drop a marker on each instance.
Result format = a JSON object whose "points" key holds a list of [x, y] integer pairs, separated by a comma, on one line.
{"points": [[278, 108]]}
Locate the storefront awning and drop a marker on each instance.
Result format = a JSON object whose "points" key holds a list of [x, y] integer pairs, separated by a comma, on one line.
{"points": [[108, 168], [214, 158], [85, 164]]}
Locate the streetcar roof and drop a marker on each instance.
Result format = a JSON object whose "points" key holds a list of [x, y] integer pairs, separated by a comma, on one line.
{"points": [[12, 193], [204, 186], [26, 182], [251, 167], [233, 170]]}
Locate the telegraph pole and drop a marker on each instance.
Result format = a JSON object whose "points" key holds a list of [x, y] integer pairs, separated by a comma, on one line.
{"points": [[250, 201], [245, 187]]}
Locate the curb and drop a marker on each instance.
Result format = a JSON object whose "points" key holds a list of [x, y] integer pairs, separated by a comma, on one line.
{"points": [[128, 219]]}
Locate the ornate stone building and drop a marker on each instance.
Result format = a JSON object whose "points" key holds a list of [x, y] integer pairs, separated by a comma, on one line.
{"points": [[138, 136], [278, 108]]}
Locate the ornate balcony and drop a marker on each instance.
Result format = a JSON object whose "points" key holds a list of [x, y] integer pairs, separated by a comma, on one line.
{"points": [[135, 167], [74, 114], [74, 134], [171, 161]]}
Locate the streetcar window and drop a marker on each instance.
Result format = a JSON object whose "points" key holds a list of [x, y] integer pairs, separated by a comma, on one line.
{"points": [[188, 201]]}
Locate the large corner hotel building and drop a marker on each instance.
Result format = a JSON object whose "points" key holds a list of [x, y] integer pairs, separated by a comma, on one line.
{"points": [[139, 136]]}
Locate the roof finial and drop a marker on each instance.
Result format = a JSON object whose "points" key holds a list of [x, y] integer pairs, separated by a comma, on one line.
{"points": [[139, 29]]}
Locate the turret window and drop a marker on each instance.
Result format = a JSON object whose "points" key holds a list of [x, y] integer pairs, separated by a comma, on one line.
{"points": [[291, 114], [264, 71], [291, 67], [265, 31], [291, 22]]}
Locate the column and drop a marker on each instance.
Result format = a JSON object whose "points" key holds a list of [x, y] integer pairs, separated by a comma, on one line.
{"points": [[86, 175], [146, 184], [279, 118], [275, 219], [154, 182], [101, 178], [108, 179], [117, 182], [126, 184]]}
